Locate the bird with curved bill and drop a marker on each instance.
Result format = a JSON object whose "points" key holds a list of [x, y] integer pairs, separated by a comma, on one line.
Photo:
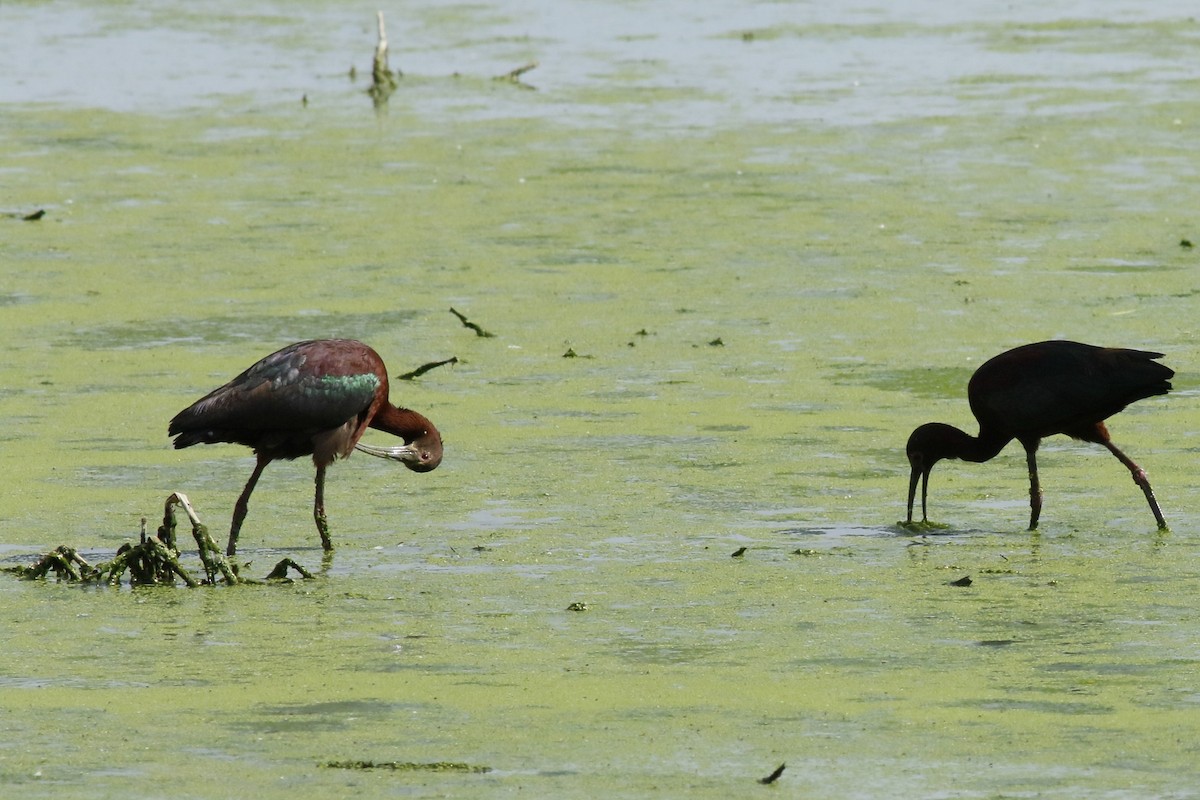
{"points": [[313, 398], [1039, 390]]}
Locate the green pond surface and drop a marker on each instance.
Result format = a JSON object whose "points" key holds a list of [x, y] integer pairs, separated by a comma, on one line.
{"points": [[775, 237]]}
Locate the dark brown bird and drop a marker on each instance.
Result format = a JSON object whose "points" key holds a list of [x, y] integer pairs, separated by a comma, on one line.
{"points": [[1035, 391], [310, 398]]}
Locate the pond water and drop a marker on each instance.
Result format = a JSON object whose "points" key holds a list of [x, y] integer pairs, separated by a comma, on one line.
{"points": [[775, 236]]}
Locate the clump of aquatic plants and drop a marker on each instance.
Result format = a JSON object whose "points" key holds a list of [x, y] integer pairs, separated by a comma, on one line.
{"points": [[153, 561]]}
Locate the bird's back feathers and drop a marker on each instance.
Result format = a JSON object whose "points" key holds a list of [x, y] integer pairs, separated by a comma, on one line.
{"points": [[280, 403], [1062, 387]]}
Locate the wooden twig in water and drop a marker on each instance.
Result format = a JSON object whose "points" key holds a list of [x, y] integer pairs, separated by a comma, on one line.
{"points": [[774, 776], [421, 370], [280, 573], [210, 553], [63, 560], [408, 766], [466, 324], [27, 216], [148, 563], [514, 76]]}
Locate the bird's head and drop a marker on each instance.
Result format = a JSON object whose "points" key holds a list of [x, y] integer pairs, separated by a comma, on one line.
{"points": [[927, 445], [421, 451], [426, 451]]}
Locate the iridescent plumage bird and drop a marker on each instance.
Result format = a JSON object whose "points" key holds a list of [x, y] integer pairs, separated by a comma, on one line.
{"points": [[310, 398]]}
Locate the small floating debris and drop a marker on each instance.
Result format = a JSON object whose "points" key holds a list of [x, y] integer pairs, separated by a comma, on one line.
{"points": [[924, 526], [24, 216], [963, 581], [578, 606], [280, 573], [409, 766], [468, 324], [513, 76], [421, 370], [774, 776]]}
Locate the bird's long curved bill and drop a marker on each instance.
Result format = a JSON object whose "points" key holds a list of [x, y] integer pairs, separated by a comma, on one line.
{"points": [[923, 476], [406, 453]]}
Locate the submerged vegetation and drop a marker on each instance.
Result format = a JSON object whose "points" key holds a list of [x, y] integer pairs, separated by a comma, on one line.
{"points": [[153, 561]]}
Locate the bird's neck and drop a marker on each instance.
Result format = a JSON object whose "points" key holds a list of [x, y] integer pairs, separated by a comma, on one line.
{"points": [[978, 449], [402, 422]]}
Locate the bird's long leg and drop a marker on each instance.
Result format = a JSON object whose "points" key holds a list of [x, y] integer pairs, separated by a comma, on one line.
{"points": [[319, 510], [243, 505], [919, 472], [1139, 477], [1035, 487], [924, 495]]}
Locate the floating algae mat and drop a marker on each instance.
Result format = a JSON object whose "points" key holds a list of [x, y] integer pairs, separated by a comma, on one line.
{"points": [[776, 237]]}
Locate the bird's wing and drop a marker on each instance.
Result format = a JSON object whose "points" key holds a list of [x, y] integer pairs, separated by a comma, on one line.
{"points": [[1062, 389], [278, 393]]}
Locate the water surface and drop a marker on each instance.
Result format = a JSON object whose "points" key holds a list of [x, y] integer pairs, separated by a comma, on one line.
{"points": [[776, 237]]}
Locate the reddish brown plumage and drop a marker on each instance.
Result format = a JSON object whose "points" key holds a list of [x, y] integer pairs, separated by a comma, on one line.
{"points": [[1039, 390], [310, 398]]}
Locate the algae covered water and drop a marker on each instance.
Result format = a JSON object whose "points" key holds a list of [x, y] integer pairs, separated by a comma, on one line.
{"points": [[731, 254]]}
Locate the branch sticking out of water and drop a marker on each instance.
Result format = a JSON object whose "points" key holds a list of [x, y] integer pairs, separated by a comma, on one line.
{"points": [[280, 573], [383, 82], [421, 370], [514, 76], [468, 324], [210, 553]]}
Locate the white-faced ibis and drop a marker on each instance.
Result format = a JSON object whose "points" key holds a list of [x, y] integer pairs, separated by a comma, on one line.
{"points": [[1035, 391], [310, 398]]}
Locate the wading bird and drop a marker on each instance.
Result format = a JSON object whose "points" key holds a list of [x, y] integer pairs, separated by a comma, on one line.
{"points": [[1035, 391], [310, 398]]}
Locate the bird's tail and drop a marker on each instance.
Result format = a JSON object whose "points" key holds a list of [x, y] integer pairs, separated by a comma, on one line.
{"points": [[189, 438]]}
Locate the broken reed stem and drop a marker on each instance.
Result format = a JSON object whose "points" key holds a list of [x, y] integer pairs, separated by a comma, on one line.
{"points": [[383, 82], [421, 370], [210, 554], [514, 76], [63, 560], [280, 573], [468, 324]]}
